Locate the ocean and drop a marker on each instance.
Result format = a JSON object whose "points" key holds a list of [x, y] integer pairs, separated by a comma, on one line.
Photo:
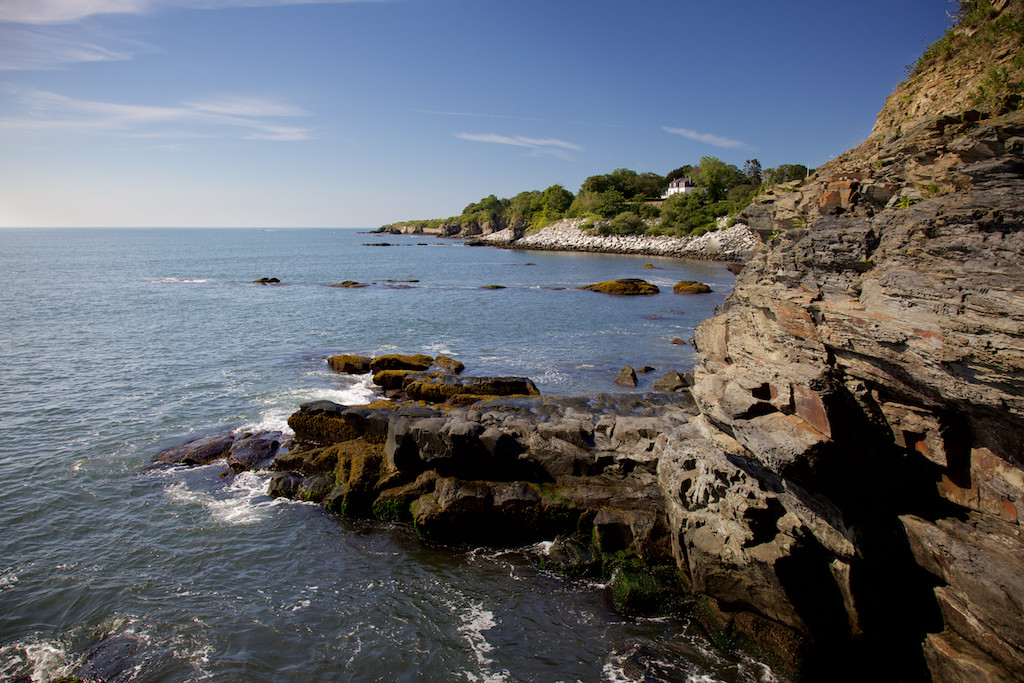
{"points": [[116, 344]]}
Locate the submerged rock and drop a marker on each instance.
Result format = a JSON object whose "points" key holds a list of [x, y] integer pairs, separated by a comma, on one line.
{"points": [[267, 281]]}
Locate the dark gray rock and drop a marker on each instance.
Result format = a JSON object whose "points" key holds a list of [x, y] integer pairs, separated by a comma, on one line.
{"points": [[199, 451], [254, 451], [284, 485]]}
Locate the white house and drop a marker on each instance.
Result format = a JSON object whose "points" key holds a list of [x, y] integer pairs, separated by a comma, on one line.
{"points": [[679, 186]]}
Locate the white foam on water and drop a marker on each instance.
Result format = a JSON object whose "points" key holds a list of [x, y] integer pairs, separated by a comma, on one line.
{"points": [[178, 281], [242, 500], [438, 348], [274, 416], [475, 622], [8, 579], [544, 547], [41, 662]]}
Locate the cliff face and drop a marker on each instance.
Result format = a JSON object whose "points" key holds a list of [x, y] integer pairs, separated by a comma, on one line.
{"points": [[863, 389]]}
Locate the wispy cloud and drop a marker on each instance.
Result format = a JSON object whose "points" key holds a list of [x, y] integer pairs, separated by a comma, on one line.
{"points": [[467, 114], [64, 11], [24, 48], [519, 141], [51, 34], [706, 138], [249, 118]]}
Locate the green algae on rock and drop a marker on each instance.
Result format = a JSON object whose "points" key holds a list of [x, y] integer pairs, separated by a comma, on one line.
{"points": [[691, 287], [399, 361], [624, 287], [349, 363]]}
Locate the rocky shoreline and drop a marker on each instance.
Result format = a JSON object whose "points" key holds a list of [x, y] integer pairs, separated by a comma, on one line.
{"points": [[735, 243]]}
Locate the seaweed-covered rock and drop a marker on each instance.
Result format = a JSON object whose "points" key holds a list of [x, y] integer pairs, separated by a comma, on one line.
{"points": [[691, 287], [350, 284], [349, 363], [400, 361], [449, 365], [267, 281], [441, 387], [326, 422], [624, 287]]}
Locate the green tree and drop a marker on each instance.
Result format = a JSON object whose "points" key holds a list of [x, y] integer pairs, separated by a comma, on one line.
{"points": [[717, 178], [752, 171], [680, 172], [629, 184], [556, 201], [784, 173], [609, 203]]}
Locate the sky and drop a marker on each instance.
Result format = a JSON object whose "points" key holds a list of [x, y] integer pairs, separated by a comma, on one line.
{"points": [[358, 113]]}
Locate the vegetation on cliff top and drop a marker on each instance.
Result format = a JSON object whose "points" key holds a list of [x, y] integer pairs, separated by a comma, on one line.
{"points": [[984, 48]]}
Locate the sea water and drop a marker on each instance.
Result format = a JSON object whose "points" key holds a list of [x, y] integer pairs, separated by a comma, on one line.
{"points": [[115, 344]]}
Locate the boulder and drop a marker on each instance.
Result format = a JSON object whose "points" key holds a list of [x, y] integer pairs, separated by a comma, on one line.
{"points": [[326, 422], [449, 365], [691, 287], [398, 361], [625, 287], [284, 485], [267, 281], [670, 381], [254, 451], [626, 377], [351, 364], [350, 284], [199, 451], [393, 380]]}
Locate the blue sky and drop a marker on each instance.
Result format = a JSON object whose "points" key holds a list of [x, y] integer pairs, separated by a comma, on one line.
{"points": [[363, 112]]}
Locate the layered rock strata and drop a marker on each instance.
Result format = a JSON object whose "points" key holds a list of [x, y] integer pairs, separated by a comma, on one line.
{"points": [[868, 369]]}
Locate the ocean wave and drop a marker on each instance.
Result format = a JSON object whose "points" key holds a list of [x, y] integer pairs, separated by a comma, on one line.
{"points": [[179, 281], [242, 500], [278, 407], [39, 661], [8, 579]]}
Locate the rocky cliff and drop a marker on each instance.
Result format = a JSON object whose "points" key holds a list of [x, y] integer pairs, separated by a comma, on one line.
{"points": [[864, 385]]}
